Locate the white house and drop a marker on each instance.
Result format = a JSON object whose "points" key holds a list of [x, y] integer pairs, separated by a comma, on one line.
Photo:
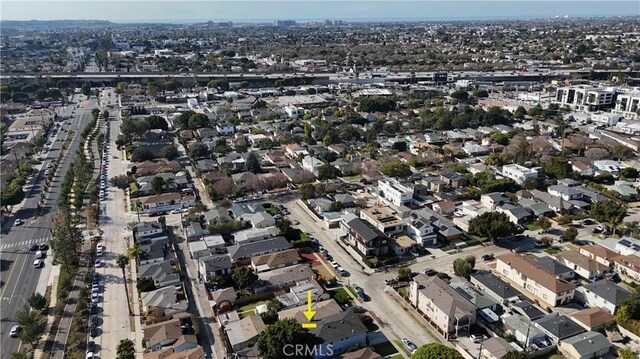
{"points": [[311, 164], [519, 174], [394, 192], [225, 128], [602, 294]]}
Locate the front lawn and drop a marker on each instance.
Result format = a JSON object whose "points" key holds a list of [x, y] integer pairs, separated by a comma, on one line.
{"points": [[340, 295], [248, 310], [553, 250], [354, 178], [532, 227]]}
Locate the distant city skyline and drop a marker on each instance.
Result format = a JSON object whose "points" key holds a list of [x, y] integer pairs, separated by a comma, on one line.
{"points": [[266, 11]]}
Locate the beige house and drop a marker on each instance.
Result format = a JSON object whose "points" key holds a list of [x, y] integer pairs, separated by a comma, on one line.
{"points": [[442, 305], [523, 271], [384, 219], [271, 261], [584, 266], [600, 254]]}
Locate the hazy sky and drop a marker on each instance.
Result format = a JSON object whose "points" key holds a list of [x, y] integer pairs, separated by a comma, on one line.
{"points": [[192, 11]]}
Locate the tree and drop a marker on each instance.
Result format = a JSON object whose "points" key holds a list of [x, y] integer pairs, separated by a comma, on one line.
{"points": [[376, 104], [520, 113], [546, 240], [134, 252], [121, 181], [244, 277], [500, 138], [404, 274], [463, 267], [570, 234], [123, 261], [492, 225], [543, 223], [278, 340], [169, 152], [495, 159], [141, 154], [37, 301], [396, 169], [85, 89], [12, 195], [126, 349], [219, 84], [271, 316], [609, 212], [145, 284], [253, 164], [327, 171], [436, 351], [519, 149], [65, 241], [626, 353], [157, 122], [480, 93], [629, 172], [198, 120], [33, 325], [307, 191], [558, 167], [157, 184], [596, 154], [198, 150]]}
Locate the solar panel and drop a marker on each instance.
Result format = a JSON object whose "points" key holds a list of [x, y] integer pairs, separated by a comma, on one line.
{"points": [[463, 293]]}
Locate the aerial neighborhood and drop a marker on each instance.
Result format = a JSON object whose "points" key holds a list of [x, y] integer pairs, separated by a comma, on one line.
{"points": [[485, 207]]}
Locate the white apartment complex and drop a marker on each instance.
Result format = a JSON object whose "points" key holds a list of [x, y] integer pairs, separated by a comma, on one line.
{"points": [[627, 105], [518, 173], [394, 192], [585, 97]]}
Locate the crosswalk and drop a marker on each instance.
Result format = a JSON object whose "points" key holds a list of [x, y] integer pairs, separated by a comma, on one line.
{"points": [[25, 243]]}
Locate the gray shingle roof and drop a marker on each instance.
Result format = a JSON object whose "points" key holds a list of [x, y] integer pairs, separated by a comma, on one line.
{"points": [[365, 230], [560, 326], [609, 291], [248, 250], [501, 288], [339, 326]]}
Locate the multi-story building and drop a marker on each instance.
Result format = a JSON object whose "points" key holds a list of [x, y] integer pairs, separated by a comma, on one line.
{"points": [[448, 310], [394, 192], [369, 240], [526, 273], [585, 97], [627, 105], [384, 219], [518, 173]]}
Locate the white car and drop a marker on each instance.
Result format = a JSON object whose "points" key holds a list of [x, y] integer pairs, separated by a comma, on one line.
{"points": [[409, 344], [175, 211], [19, 222], [38, 263], [15, 330], [95, 298], [476, 338]]}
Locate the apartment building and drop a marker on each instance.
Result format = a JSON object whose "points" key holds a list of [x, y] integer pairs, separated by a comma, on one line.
{"points": [[384, 219], [443, 306], [394, 192], [585, 97], [519, 174], [526, 273], [369, 240], [627, 105]]}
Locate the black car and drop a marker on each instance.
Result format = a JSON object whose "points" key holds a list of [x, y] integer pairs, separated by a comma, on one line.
{"points": [[93, 332], [34, 247], [430, 272], [91, 346], [488, 257], [44, 247]]}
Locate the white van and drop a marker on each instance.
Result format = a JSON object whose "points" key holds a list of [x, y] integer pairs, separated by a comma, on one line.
{"points": [[39, 255]]}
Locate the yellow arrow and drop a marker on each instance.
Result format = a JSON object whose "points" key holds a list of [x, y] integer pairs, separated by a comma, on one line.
{"points": [[309, 313]]}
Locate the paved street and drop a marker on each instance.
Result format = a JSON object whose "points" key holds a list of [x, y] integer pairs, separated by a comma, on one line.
{"points": [[19, 277], [114, 216]]}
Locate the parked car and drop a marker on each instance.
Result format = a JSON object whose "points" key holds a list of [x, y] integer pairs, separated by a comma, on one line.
{"points": [[38, 263], [34, 247], [95, 298], [409, 345], [295, 222], [430, 272], [488, 257], [541, 244], [476, 338], [93, 332], [18, 222], [44, 247]]}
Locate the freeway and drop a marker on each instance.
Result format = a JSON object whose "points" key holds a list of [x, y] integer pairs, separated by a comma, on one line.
{"points": [[19, 277]]}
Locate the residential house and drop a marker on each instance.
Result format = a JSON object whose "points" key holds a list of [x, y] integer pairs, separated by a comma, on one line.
{"points": [[244, 332], [628, 246], [442, 226], [275, 260], [558, 327], [528, 274], [527, 310], [495, 348], [311, 164], [160, 203], [364, 353], [244, 179], [445, 208], [519, 174], [225, 128], [259, 219], [453, 180], [516, 214], [254, 234], [346, 199], [402, 244], [603, 294], [177, 352], [394, 192], [583, 266], [338, 333], [525, 332], [369, 240], [298, 294], [166, 298], [384, 219], [600, 254], [500, 290], [493, 200], [448, 310], [150, 168], [628, 267], [593, 318], [162, 274], [154, 252], [556, 268], [285, 277], [567, 193], [167, 333], [149, 232], [295, 150], [238, 210], [210, 267], [420, 229], [244, 251], [589, 345]]}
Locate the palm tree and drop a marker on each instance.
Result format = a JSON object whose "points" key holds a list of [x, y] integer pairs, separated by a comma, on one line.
{"points": [[134, 252], [122, 261], [633, 228]]}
